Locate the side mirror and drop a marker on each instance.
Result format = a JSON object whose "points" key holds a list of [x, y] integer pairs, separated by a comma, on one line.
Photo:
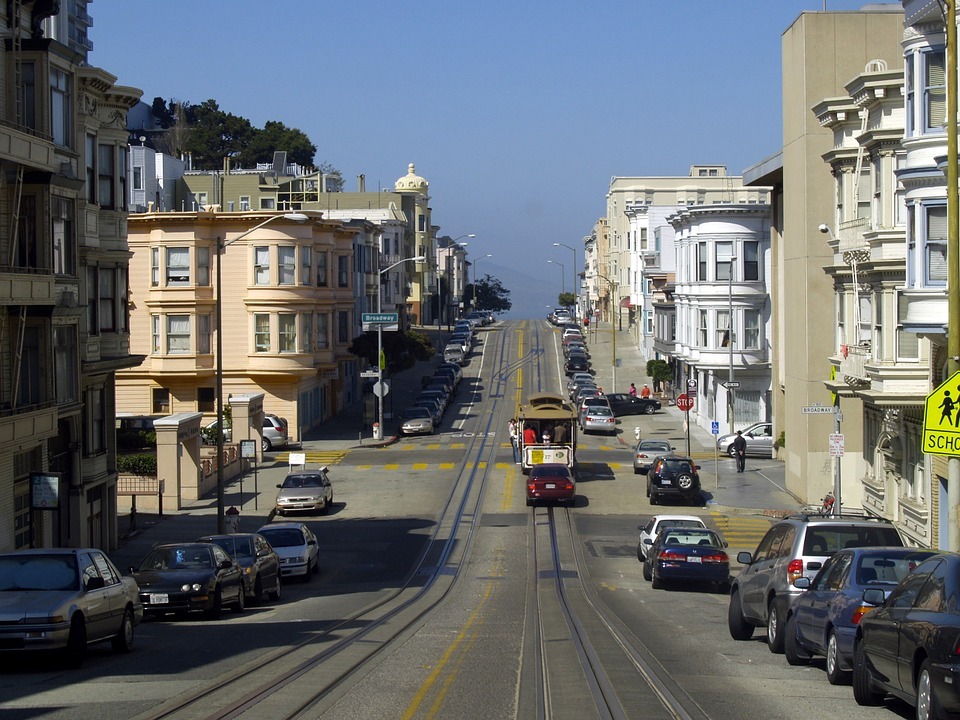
{"points": [[874, 596], [744, 558], [802, 583], [647, 541], [226, 563]]}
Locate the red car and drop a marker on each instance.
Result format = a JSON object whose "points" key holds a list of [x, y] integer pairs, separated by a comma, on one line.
{"points": [[553, 482]]}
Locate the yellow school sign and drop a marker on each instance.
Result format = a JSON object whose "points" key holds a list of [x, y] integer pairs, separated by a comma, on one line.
{"points": [[941, 419]]}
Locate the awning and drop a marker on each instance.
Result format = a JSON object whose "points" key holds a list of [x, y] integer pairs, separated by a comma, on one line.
{"points": [[625, 302]]}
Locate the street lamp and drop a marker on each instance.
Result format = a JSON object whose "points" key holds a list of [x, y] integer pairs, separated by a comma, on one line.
{"points": [[576, 294], [221, 246], [563, 279], [378, 432], [474, 298]]}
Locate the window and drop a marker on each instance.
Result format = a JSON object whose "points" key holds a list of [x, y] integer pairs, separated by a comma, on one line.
{"points": [[138, 178], [154, 267], [95, 437], [701, 261], [27, 95], [323, 331], [178, 266], [160, 401], [934, 90], [261, 266], [178, 334], [908, 345], [261, 332], [108, 298], [751, 329], [62, 234], [244, 202], [343, 327], [91, 168], [724, 261], [268, 204], [26, 248], [421, 223], [201, 200], [343, 271], [751, 261], [321, 269], [306, 265], [155, 333], [288, 332], [702, 328], [203, 334], [866, 320], [61, 108], [306, 331], [65, 363], [105, 189], [864, 193], [935, 246], [122, 176], [203, 266], [287, 264], [723, 328], [206, 399], [123, 301]]}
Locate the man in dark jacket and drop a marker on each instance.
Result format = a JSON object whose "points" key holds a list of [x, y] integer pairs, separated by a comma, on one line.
{"points": [[740, 450]]}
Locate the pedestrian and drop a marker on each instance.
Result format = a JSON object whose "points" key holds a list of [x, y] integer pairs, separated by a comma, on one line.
{"points": [[529, 435], [512, 427], [560, 433], [645, 391], [547, 435], [632, 390], [740, 449]]}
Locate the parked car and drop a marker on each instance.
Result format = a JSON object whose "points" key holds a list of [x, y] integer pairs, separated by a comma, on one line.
{"points": [[187, 577], [553, 482], [576, 364], [689, 555], [579, 377], [454, 353], [823, 620], [257, 559], [592, 401], [435, 408], [674, 476], [305, 491], [908, 645], [442, 396], [655, 524], [453, 368], [416, 421], [297, 547], [65, 599], [598, 418], [759, 438], [795, 547], [646, 451], [626, 404], [275, 432]]}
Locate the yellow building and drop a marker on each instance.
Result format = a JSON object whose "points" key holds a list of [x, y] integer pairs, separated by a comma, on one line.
{"points": [[287, 313]]}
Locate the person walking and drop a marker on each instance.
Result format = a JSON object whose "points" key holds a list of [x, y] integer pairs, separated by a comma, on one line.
{"points": [[740, 450], [512, 427], [632, 390], [645, 392]]}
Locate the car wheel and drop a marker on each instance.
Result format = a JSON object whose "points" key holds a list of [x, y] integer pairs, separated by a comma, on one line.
{"points": [[649, 410], [641, 555], [928, 706], [792, 648], [732, 451], [276, 592], [835, 675], [739, 628], [863, 691], [240, 605], [648, 486], [258, 591], [654, 498], [774, 628], [529, 502], [647, 575], [215, 611], [655, 582], [76, 649], [636, 471], [685, 482], [265, 445], [123, 640], [316, 566]]}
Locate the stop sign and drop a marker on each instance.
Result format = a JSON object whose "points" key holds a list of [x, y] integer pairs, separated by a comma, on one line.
{"points": [[685, 402]]}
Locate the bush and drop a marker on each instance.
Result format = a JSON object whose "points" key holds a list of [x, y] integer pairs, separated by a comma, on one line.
{"points": [[136, 439], [137, 463], [781, 441]]}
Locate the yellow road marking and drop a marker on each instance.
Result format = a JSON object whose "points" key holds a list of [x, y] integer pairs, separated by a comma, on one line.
{"points": [[419, 466], [391, 466], [447, 466]]}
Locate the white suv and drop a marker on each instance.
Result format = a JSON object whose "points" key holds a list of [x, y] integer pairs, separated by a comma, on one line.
{"points": [[274, 432]]}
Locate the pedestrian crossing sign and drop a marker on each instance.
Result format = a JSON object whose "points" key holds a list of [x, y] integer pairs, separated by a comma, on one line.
{"points": [[941, 419]]}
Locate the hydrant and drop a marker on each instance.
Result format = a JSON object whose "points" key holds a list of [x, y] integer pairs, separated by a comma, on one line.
{"points": [[232, 520], [636, 434], [377, 435]]}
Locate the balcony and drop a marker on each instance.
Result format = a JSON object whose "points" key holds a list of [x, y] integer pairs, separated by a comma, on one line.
{"points": [[650, 258], [31, 148], [29, 423], [853, 364], [851, 236], [24, 286]]}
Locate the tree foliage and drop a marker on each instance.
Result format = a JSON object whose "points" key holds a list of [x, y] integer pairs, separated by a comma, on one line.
{"points": [[491, 295], [277, 136], [566, 299], [401, 349]]}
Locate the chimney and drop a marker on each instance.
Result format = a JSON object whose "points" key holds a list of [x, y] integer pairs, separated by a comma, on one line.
{"points": [[361, 183]]}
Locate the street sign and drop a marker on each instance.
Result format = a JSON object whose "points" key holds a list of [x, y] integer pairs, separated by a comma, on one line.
{"points": [[732, 383], [692, 386], [382, 388], [818, 410], [836, 444], [684, 402], [941, 412], [370, 374], [385, 318], [715, 427]]}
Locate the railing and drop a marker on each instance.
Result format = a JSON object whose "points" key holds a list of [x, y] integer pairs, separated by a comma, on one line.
{"points": [[851, 234], [853, 361]]}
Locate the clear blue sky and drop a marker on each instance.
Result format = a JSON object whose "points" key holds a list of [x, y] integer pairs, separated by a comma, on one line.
{"points": [[518, 113]]}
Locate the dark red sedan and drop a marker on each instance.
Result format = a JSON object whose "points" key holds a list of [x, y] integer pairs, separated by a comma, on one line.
{"points": [[553, 482]]}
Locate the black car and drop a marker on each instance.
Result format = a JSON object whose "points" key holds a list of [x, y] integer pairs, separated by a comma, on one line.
{"points": [[257, 558], [673, 475], [576, 364], [626, 404], [182, 577], [908, 645]]}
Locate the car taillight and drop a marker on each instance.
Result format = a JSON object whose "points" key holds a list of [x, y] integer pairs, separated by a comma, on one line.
{"points": [[532, 487], [719, 557], [670, 556], [859, 612], [794, 571], [570, 486]]}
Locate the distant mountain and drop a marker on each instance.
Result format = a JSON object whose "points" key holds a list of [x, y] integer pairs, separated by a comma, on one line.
{"points": [[532, 297]]}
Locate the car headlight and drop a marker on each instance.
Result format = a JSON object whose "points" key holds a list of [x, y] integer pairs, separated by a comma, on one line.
{"points": [[191, 587]]}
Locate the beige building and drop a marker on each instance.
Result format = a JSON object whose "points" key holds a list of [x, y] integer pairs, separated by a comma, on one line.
{"points": [[821, 52], [64, 335], [287, 306]]}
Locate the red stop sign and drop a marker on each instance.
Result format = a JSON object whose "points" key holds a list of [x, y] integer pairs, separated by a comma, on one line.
{"points": [[684, 402]]}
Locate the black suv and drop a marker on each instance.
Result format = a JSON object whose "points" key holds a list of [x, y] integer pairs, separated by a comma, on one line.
{"points": [[674, 475], [794, 547]]}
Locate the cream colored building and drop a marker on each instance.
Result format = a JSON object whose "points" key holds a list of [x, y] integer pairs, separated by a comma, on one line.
{"points": [[287, 314]]}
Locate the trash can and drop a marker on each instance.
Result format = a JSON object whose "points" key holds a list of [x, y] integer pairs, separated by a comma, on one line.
{"points": [[232, 520]]}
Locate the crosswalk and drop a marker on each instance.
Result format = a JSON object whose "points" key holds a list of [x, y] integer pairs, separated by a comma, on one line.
{"points": [[742, 532], [316, 457]]}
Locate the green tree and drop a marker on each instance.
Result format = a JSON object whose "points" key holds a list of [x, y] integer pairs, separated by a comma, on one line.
{"points": [[566, 299], [491, 295], [275, 136], [216, 135], [660, 371], [401, 349]]}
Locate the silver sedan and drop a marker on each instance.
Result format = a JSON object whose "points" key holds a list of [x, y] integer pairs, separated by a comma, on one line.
{"points": [[598, 418]]}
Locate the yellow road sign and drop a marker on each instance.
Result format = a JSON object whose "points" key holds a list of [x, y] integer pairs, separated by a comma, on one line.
{"points": [[941, 419]]}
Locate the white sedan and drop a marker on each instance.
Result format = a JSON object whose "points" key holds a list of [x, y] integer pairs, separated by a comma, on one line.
{"points": [[650, 531]]}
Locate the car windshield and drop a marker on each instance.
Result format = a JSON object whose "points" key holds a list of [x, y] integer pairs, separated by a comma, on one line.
{"points": [[416, 413], [599, 411], [284, 537], [826, 540], [692, 537], [556, 471], [656, 446], [177, 558], [302, 481], [888, 567], [674, 464], [241, 547], [683, 523], [47, 572]]}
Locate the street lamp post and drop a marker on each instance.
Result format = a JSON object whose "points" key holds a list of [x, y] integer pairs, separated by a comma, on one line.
{"points": [[221, 246], [563, 278], [576, 294], [474, 298], [378, 433]]}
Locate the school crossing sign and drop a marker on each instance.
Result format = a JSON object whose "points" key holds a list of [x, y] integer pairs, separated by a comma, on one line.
{"points": [[941, 419]]}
